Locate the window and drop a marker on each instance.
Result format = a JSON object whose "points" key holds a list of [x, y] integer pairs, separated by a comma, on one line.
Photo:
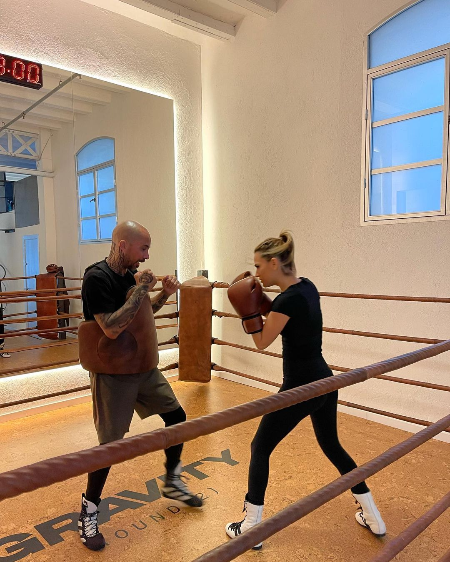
{"points": [[96, 190], [19, 149], [405, 172]]}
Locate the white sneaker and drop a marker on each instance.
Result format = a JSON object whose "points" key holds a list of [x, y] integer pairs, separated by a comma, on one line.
{"points": [[253, 516], [368, 515]]}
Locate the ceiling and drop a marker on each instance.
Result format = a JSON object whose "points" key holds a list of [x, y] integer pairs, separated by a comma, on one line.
{"points": [[188, 19], [191, 19], [80, 96]]}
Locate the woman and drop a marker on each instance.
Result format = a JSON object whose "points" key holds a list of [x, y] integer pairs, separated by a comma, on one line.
{"points": [[296, 315]]}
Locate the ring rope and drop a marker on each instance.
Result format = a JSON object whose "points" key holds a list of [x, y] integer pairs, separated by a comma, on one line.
{"points": [[19, 314], [58, 469], [223, 285], [37, 291], [245, 541], [24, 370], [17, 278], [31, 347], [400, 542], [446, 557], [170, 315], [381, 336], [336, 368], [39, 299], [30, 332], [429, 341], [342, 402], [35, 318], [44, 396]]}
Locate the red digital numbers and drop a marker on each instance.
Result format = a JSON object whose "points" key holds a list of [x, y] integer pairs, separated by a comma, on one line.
{"points": [[19, 71], [34, 73]]}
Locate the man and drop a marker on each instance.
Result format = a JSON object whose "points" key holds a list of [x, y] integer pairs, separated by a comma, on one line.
{"points": [[117, 325]]}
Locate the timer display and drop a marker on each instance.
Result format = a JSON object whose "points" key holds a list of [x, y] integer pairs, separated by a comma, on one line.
{"points": [[21, 72]]}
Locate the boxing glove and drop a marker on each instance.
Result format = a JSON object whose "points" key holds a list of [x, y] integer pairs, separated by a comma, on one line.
{"points": [[245, 294], [266, 301]]}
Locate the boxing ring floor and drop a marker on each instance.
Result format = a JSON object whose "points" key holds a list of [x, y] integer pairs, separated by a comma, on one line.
{"points": [[58, 352], [155, 529]]}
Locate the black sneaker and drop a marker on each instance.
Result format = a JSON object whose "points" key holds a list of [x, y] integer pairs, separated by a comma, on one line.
{"points": [[88, 526], [176, 489]]}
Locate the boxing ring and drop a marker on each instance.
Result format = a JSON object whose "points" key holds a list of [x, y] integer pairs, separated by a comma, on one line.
{"points": [[195, 341], [56, 329]]}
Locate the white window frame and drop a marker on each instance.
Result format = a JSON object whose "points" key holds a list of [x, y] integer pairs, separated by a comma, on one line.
{"points": [[370, 74], [94, 170]]}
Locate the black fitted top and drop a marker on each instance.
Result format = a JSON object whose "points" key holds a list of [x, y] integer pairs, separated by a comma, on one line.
{"points": [[302, 335]]}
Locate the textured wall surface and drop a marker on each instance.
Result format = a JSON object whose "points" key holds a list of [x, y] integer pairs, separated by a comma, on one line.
{"points": [[83, 38], [282, 109]]}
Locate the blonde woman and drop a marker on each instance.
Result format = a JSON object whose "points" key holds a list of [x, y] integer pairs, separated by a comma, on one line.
{"points": [[295, 314]]}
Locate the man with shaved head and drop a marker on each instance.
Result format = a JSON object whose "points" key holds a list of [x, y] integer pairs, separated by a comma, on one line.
{"points": [[112, 313]]}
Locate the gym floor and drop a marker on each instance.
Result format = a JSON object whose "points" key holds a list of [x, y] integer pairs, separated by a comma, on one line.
{"points": [[155, 529]]}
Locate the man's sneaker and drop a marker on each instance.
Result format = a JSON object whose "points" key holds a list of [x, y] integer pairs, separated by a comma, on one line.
{"points": [[175, 489], [4, 353], [88, 526]]}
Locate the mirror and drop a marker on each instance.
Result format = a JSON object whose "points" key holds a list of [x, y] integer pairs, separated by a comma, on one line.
{"points": [[92, 153]]}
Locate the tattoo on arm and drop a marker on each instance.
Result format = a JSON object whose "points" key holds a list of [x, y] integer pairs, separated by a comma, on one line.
{"points": [[159, 301], [113, 324]]}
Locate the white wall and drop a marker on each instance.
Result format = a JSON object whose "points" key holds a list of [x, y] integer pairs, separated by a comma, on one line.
{"points": [[94, 42], [282, 110]]}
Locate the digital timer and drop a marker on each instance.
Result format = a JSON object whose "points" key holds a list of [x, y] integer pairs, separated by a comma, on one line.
{"points": [[22, 72]]}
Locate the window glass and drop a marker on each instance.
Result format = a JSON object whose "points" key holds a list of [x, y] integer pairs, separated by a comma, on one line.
{"points": [[421, 27], [87, 207], [89, 229], [107, 203], [407, 191], [414, 140], [105, 178], [412, 89], [107, 225], [86, 184], [95, 153]]}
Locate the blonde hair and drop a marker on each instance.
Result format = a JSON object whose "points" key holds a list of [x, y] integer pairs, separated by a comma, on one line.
{"points": [[281, 248]]}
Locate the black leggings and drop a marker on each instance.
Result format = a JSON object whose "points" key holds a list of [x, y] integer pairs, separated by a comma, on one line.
{"points": [[275, 426], [97, 479]]}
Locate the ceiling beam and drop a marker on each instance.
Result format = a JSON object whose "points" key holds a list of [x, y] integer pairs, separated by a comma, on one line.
{"points": [[30, 119], [57, 101], [265, 8], [19, 107], [186, 17]]}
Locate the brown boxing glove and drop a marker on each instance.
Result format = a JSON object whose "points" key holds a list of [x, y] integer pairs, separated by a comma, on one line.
{"points": [[245, 294], [266, 301]]}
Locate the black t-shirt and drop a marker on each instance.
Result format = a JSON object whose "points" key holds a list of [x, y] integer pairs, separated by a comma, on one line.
{"points": [[302, 334], [104, 290]]}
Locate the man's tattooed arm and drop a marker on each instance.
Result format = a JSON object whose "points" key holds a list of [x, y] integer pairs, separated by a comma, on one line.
{"points": [[113, 324], [159, 301]]}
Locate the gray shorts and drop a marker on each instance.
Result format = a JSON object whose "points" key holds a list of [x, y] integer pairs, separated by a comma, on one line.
{"points": [[116, 397]]}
